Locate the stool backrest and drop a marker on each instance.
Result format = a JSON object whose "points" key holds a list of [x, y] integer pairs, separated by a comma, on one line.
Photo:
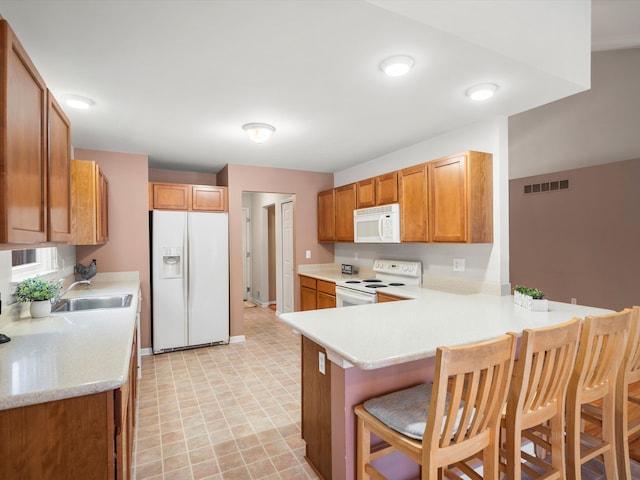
{"points": [[602, 346], [631, 367], [546, 360], [469, 392]]}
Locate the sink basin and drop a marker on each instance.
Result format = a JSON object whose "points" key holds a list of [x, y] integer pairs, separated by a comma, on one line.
{"points": [[92, 303]]}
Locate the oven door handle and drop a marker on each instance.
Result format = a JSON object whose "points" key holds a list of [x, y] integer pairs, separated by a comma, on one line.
{"points": [[351, 294]]}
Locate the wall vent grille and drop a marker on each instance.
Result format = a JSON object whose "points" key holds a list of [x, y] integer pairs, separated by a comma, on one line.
{"points": [[545, 187]]}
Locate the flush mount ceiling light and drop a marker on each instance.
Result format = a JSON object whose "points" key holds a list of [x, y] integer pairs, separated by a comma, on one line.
{"points": [[482, 92], [77, 101], [259, 132], [397, 65]]}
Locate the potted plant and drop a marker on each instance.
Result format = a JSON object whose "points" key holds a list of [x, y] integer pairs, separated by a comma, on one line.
{"points": [[530, 298], [39, 292]]}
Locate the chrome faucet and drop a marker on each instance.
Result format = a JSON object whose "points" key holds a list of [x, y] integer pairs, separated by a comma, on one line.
{"points": [[73, 285]]}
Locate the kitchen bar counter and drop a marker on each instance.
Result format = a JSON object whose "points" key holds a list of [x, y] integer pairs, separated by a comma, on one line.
{"points": [[378, 348], [380, 335], [69, 354]]}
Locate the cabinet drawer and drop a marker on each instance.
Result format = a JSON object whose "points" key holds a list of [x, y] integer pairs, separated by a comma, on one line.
{"points": [[307, 282], [326, 287]]}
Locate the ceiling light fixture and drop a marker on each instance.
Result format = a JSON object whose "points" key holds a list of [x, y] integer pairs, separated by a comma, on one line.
{"points": [[77, 101], [259, 132], [482, 92], [397, 65]]}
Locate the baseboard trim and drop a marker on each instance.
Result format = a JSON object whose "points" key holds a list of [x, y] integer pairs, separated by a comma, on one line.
{"points": [[146, 351], [237, 339]]}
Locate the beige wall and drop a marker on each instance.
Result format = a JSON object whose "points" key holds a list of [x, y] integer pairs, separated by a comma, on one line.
{"points": [[304, 186], [590, 128], [174, 176], [582, 242], [128, 246]]}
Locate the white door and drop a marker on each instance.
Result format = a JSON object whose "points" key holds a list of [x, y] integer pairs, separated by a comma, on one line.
{"points": [[246, 252], [208, 254], [287, 257]]}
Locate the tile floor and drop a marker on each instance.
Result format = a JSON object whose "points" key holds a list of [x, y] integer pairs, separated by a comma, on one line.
{"points": [[233, 411], [224, 412]]}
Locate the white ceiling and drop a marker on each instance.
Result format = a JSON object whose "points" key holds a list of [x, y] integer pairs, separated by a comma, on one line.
{"points": [[177, 79]]}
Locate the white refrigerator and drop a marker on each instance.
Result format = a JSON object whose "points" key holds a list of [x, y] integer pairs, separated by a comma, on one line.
{"points": [[190, 279]]}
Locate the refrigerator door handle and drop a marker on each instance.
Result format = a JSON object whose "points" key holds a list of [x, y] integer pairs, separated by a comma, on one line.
{"points": [[186, 275]]}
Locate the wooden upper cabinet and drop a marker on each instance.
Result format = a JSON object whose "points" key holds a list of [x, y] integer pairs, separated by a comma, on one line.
{"points": [[90, 202], [387, 188], [59, 177], [461, 198], [345, 205], [366, 195], [170, 196], [23, 148], [178, 196], [208, 198], [380, 190], [414, 204], [327, 216]]}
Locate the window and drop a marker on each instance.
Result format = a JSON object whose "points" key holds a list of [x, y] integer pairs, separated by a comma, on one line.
{"points": [[33, 261]]}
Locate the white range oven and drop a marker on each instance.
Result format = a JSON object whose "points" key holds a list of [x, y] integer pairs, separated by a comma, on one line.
{"points": [[388, 273]]}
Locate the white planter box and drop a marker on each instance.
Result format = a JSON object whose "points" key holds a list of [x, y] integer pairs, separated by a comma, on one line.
{"points": [[529, 303]]}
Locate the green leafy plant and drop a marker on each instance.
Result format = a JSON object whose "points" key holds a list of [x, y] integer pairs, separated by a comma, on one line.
{"points": [[37, 289], [531, 292]]}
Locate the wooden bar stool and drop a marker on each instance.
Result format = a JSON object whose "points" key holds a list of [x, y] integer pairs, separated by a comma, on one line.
{"points": [[602, 345], [628, 374], [443, 423], [537, 399]]}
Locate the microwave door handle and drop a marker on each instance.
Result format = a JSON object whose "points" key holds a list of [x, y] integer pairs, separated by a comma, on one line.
{"points": [[380, 220]]}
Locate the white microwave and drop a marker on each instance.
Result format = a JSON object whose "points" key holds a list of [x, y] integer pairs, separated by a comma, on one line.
{"points": [[377, 224]]}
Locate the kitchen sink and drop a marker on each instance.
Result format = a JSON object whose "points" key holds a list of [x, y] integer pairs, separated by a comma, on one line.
{"points": [[92, 303]]}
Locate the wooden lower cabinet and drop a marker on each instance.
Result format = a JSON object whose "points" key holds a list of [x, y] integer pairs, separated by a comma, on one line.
{"points": [[88, 437], [316, 408], [385, 297], [326, 294], [316, 294], [308, 293]]}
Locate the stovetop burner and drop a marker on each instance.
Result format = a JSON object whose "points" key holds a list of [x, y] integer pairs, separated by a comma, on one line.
{"points": [[387, 273]]}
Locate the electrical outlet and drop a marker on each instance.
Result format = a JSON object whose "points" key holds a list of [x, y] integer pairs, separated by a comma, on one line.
{"points": [[308, 254], [458, 265], [574, 301], [321, 363], [355, 255]]}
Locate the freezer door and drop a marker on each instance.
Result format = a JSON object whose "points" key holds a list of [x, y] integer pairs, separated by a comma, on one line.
{"points": [[169, 288], [208, 302]]}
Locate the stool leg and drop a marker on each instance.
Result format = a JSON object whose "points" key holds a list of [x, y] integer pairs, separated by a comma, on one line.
{"points": [[608, 422], [621, 432], [573, 420], [363, 453]]}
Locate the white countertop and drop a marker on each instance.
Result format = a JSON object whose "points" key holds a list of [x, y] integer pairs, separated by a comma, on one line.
{"points": [[69, 354], [384, 334]]}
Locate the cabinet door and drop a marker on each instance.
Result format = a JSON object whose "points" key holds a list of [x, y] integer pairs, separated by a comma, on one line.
{"points": [[102, 207], [387, 188], [23, 166], [326, 216], [59, 178], [316, 408], [170, 196], [208, 198], [366, 193], [326, 294], [448, 199], [413, 204], [345, 205], [307, 293]]}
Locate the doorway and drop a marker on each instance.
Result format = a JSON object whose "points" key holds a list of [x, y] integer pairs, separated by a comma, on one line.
{"points": [[269, 268]]}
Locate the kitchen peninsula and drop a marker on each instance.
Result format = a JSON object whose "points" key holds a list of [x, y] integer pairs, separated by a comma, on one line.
{"points": [[378, 348]]}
